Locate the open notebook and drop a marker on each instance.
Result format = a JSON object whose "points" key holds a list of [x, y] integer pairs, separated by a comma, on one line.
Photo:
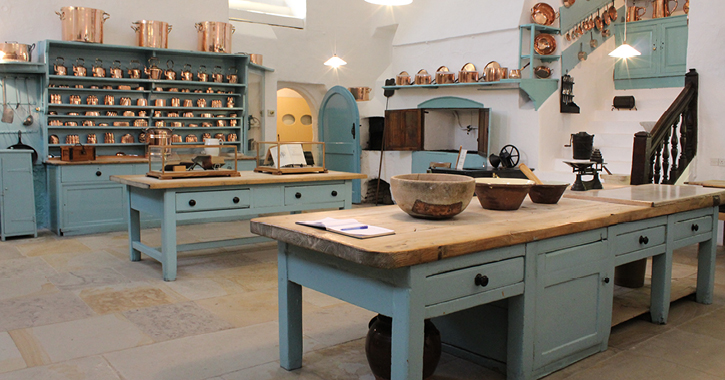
{"points": [[349, 227]]}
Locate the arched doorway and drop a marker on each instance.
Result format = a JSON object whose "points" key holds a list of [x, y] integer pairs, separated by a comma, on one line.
{"points": [[294, 117]]}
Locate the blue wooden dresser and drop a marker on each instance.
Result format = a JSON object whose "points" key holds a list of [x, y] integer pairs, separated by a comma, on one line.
{"points": [[17, 204]]}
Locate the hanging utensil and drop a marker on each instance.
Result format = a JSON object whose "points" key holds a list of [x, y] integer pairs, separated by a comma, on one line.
{"points": [[613, 12], [28, 120], [21, 146], [7, 111], [582, 54], [593, 43]]}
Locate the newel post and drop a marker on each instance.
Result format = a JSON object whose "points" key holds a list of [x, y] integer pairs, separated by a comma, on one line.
{"points": [[641, 165]]}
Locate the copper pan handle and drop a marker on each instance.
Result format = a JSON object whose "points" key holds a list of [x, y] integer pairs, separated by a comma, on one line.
{"points": [[168, 29], [199, 27], [135, 26], [234, 29], [60, 14], [106, 16], [675, 8]]}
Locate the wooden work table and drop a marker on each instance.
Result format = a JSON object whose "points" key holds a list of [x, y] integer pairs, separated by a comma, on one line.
{"points": [[550, 265], [250, 194]]}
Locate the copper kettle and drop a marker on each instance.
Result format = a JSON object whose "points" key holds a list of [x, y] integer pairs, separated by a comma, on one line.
{"points": [[170, 74], [98, 70], [116, 71], [78, 69], [661, 8], [186, 73], [153, 71], [134, 69]]}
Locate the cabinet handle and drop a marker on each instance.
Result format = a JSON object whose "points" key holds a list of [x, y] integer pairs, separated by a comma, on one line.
{"points": [[643, 240], [298, 195], [192, 203], [695, 228], [235, 200], [334, 193], [606, 280], [481, 280], [98, 173]]}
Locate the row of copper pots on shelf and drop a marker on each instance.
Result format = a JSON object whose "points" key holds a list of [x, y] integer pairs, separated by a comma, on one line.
{"points": [[110, 100], [110, 138], [493, 72]]}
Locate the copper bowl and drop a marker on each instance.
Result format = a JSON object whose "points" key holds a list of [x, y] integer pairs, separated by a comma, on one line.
{"points": [[548, 192], [432, 196], [502, 193]]}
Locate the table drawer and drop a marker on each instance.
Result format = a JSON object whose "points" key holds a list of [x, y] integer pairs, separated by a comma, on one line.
{"points": [[93, 173], [295, 195], [640, 239], [473, 280], [213, 200], [686, 228]]}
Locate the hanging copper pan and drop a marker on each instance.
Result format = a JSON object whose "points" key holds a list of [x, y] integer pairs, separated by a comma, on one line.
{"points": [[613, 12]]}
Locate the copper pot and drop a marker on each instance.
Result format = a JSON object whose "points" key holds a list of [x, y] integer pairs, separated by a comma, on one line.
{"points": [[402, 79], [82, 24], [152, 33], [661, 8], [15, 52], [361, 94], [158, 136], [214, 36], [422, 77], [444, 76], [468, 74]]}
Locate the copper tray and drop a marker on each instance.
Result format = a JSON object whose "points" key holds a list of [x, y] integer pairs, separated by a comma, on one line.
{"points": [[544, 44]]}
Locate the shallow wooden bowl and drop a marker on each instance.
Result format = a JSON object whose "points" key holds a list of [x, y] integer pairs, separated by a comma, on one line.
{"points": [[548, 193], [502, 193], [431, 195]]}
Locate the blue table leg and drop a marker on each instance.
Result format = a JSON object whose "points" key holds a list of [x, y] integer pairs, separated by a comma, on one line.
{"points": [[407, 336], [706, 265], [290, 315], [168, 237], [661, 286], [134, 227]]}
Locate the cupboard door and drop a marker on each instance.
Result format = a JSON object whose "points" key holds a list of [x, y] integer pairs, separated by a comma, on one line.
{"points": [[403, 129], [644, 39], [674, 48], [91, 205]]}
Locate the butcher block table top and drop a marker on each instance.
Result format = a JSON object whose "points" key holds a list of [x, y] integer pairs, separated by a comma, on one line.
{"points": [[246, 178], [418, 241]]}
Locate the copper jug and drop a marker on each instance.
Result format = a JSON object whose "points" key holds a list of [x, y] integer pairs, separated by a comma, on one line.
{"points": [[58, 67], [134, 69], [153, 71], [78, 69], [186, 73], [635, 13], [116, 71], [170, 74], [661, 8], [98, 70]]}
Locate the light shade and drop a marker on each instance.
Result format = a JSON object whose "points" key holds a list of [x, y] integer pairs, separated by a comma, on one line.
{"points": [[335, 61], [624, 51], [390, 2]]}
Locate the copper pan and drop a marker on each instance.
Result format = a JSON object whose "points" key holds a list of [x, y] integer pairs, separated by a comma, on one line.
{"points": [[82, 24], [422, 77], [402, 79], [444, 76], [468, 74]]}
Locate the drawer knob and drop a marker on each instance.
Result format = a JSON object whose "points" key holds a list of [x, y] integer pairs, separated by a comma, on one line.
{"points": [[606, 280], [695, 228], [192, 203], [643, 240], [481, 280], [298, 195], [98, 173], [235, 200], [334, 193]]}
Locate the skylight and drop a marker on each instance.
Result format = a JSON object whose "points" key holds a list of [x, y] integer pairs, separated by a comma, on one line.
{"points": [[285, 13]]}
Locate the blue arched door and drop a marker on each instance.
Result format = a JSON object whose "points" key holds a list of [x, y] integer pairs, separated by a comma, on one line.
{"points": [[339, 123]]}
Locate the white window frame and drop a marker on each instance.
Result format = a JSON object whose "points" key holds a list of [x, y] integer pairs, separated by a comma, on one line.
{"points": [[257, 12]]}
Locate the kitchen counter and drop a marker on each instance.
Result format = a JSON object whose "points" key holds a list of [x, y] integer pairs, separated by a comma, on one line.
{"points": [[546, 269]]}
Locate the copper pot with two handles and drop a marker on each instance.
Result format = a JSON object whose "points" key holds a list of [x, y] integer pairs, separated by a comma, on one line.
{"points": [[150, 33], [661, 8], [361, 94], [15, 52], [214, 36], [82, 24]]}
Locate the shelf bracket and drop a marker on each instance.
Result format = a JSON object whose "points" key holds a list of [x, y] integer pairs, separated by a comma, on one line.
{"points": [[539, 90]]}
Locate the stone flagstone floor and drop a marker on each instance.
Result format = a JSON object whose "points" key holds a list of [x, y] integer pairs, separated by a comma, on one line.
{"points": [[77, 308]]}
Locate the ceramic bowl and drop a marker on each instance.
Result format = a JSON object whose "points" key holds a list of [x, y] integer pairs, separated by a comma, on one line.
{"points": [[502, 193], [431, 195], [548, 192]]}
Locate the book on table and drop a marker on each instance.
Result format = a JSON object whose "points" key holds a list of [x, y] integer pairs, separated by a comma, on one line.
{"points": [[349, 227]]}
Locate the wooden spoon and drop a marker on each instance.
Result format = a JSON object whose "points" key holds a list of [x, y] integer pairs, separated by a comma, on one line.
{"points": [[529, 174]]}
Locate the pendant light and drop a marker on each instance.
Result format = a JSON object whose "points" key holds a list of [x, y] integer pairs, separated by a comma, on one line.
{"points": [[335, 61], [390, 2], [625, 50]]}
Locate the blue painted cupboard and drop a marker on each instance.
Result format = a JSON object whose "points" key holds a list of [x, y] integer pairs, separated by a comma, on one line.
{"points": [[17, 200]]}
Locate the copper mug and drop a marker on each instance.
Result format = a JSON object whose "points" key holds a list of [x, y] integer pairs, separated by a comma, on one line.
{"points": [[78, 69], [661, 8], [98, 70], [58, 67], [216, 75], [116, 71], [635, 13], [232, 76], [201, 75], [175, 102], [186, 73], [134, 69]]}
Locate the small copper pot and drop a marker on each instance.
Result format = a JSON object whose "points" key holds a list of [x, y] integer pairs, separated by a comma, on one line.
{"points": [[402, 79]]}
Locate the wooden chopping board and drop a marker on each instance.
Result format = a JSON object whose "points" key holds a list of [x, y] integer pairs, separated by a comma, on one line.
{"points": [[647, 195]]}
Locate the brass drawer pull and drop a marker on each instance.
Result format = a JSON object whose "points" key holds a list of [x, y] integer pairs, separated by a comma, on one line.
{"points": [[643, 240], [481, 280]]}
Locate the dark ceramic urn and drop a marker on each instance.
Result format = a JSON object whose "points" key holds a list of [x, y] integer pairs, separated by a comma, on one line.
{"points": [[377, 347]]}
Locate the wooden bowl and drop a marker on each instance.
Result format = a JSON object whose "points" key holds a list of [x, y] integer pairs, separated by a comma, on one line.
{"points": [[431, 195], [502, 193], [548, 193]]}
